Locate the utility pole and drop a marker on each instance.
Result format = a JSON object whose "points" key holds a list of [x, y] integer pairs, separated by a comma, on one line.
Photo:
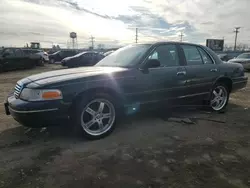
{"points": [[92, 41], [136, 35], [236, 35], [181, 35]]}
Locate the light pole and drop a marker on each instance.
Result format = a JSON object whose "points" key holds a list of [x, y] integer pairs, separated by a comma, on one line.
{"points": [[236, 35]]}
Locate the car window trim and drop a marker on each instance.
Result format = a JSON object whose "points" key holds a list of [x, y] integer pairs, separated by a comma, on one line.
{"points": [[207, 54], [200, 55]]}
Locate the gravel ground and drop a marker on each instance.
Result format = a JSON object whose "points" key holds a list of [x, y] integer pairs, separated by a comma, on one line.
{"points": [[192, 148]]}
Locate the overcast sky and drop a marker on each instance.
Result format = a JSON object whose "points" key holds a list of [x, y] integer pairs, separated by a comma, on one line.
{"points": [[113, 22]]}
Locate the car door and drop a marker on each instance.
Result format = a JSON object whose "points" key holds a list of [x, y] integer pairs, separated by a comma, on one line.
{"points": [[21, 59], [201, 70], [166, 82], [9, 61]]}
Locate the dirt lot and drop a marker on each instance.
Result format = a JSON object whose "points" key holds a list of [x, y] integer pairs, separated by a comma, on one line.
{"points": [[148, 150]]}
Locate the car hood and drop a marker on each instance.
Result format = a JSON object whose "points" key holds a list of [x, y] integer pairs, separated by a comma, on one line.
{"points": [[239, 60], [69, 74]]}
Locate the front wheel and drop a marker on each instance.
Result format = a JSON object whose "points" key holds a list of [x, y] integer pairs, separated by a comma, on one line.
{"points": [[219, 97], [96, 116], [40, 62]]}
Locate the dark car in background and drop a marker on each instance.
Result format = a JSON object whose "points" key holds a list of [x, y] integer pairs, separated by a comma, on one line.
{"points": [[82, 59], [224, 57], [58, 56], [16, 58], [243, 59], [135, 77]]}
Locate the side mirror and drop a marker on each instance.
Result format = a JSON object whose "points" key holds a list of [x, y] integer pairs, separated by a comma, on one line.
{"points": [[152, 63]]}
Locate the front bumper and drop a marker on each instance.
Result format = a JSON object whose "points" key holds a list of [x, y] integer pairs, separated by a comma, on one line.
{"points": [[36, 114]]}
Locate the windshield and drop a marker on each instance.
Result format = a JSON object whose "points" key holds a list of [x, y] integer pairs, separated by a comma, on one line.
{"points": [[125, 57], [244, 56]]}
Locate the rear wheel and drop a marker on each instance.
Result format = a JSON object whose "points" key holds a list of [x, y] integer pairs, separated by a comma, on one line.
{"points": [[96, 116], [219, 97]]}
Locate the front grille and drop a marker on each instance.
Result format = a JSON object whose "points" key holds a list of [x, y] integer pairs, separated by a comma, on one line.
{"points": [[18, 90]]}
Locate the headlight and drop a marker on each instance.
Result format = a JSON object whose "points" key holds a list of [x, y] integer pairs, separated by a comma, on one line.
{"points": [[40, 95]]}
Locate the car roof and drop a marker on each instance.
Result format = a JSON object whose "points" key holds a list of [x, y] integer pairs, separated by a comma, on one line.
{"points": [[166, 42]]}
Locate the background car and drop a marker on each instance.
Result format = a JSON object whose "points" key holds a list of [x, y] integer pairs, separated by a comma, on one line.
{"points": [[16, 58], [58, 56], [82, 59], [135, 77], [42, 54], [224, 57], [243, 59]]}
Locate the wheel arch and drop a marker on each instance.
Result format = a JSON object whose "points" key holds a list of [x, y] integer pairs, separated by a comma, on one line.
{"points": [[106, 90], [225, 80]]}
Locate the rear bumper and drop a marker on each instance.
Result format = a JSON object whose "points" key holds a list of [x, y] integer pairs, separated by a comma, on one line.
{"points": [[36, 114], [239, 83]]}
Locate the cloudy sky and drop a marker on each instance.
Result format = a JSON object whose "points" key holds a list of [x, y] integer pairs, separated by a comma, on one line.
{"points": [[113, 22]]}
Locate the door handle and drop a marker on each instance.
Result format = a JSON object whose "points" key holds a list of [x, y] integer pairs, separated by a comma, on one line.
{"points": [[181, 73], [213, 70]]}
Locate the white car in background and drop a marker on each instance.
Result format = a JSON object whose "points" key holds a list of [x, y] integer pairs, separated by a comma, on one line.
{"points": [[243, 59], [44, 55]]}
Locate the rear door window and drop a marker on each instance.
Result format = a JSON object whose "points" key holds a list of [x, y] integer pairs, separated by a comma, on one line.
{"points": [[192, 55]]}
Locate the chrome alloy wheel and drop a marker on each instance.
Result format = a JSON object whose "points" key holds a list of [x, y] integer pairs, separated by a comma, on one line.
{"points": [[98, 117], [219, 98]]}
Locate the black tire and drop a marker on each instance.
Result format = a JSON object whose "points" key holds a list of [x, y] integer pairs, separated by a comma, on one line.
{"points": [[224, 104], [40, 62], [1, 68], [80, 110]]}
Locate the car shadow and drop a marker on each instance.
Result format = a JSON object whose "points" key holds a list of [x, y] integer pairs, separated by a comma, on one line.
{"points": [[21, 136]]}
